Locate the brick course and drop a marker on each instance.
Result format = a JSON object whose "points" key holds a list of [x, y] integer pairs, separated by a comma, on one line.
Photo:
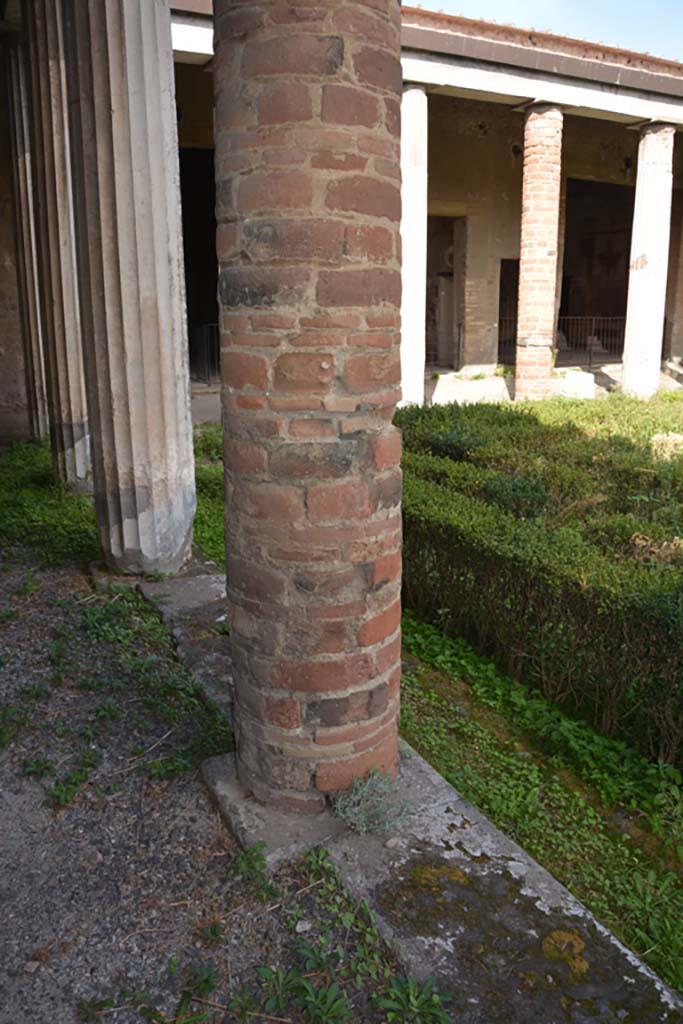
{"points": [[308, 208], [538, 273]]}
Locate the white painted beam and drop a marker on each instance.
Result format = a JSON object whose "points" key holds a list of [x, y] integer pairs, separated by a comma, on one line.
{"points": [[473, 79], [192, 39]]}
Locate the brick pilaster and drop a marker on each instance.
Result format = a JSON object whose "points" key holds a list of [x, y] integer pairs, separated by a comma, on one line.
{"points": [[308, 204], [541, 191]]}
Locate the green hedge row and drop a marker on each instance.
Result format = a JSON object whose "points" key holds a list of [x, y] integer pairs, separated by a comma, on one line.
{"points": [[603, 638]]}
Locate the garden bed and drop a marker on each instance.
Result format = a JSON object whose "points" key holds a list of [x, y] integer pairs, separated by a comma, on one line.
{"points": [[550, 537]]}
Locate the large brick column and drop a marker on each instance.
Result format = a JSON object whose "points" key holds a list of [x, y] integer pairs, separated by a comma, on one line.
{"points": [[538, 277], [56, 244], [131, 282], [649, 261], [308, 203]]}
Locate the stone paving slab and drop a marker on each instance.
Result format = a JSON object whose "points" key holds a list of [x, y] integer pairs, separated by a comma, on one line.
{"points": [[462, 903], [192, 606]]}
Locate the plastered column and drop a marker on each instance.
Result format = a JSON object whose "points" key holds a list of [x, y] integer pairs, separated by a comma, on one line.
{"points": [[56, 243], [25, 221], [649, 261], [130, 265], [538, 265], [14, 418], [414, 135], [308, 205]]}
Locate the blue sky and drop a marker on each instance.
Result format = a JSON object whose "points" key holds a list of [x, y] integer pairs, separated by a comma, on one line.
{"points": [[655, 27]]}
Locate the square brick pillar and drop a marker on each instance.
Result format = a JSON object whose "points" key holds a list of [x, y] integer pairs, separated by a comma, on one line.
{"points": [[649, 261], [308, 207], [538, 265]]}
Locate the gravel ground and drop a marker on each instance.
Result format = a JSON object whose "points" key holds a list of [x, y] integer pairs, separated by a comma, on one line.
{"points": [[114, 867]]}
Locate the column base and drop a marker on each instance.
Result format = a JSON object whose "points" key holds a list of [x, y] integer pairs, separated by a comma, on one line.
{"points": [[533, 372]]}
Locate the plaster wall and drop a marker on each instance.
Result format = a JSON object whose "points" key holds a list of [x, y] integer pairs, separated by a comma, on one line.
{"points": [[14, 417]]}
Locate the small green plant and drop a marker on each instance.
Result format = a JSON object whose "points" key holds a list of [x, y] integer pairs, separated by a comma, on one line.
{"points": [[212, 933], [322, 1005], [372, 804], [278, 987], [38, 768], [408, 1002], [223, 629], [34, 691], [31, 584], [90, 1010], [243, 1004], [108, 711], [164, 768], [319, 955], [12, 718], [201, 981], [251, 866]]}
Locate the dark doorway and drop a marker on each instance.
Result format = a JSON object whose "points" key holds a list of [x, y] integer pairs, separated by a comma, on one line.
{"points": [[595, 270], [507, 311], [445, 289], [201, 269]]}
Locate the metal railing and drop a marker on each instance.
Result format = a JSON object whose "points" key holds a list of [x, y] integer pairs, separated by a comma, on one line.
{"points": [[597, 337], [205, 353], [507, 340]]}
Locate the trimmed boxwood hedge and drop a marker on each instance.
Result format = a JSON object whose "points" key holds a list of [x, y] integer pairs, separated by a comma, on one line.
{"points": [[602, 637]]}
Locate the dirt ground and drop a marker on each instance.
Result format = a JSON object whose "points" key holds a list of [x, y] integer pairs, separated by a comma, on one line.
{"points": [[115, 886]]}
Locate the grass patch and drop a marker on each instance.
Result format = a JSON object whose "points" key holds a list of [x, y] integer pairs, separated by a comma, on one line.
{"points": [[209, 519], [605, 822], [117, 691], [36, 513]]}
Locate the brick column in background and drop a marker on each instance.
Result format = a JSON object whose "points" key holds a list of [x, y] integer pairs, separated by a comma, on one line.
{"points": [[308, 205], [536, 311]]}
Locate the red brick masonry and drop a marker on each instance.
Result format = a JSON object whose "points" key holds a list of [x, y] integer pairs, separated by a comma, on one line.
{"points": [[537, 312], [308, 204]]}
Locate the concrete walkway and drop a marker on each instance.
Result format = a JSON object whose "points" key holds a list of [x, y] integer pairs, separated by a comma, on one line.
{"points": [[444, 385], [458, 899]]}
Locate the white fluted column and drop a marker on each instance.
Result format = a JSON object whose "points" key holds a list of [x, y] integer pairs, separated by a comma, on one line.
{"points": [[55, 243], [24, 221], [649, 261], [414, 121], [131, 280]]}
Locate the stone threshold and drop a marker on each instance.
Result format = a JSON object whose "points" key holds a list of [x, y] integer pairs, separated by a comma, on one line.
{"points": [[457, 899]]}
